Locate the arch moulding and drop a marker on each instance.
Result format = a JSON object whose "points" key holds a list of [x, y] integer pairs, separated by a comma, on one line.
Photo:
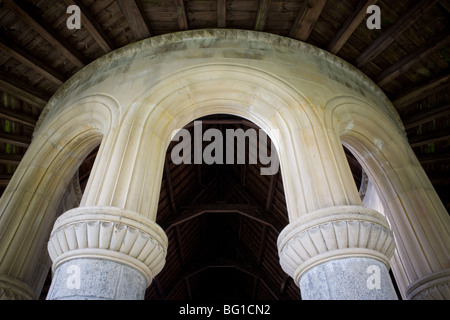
{"points": [[306, 99]]}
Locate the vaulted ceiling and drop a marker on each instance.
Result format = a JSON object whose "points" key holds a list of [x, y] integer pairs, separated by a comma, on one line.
{"points": [[222, 221]]}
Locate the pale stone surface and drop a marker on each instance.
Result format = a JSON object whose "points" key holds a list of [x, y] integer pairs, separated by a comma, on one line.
{"points": [[110, 233], [432, 287], [308, 101], [13, 289], [334, 233], [357, 278], [96, 279]]}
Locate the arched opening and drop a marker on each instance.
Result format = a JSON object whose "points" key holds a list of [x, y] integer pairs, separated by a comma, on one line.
{"points": [[222, 221], [222, 217]]}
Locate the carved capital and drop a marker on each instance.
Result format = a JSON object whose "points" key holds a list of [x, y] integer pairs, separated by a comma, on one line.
{"points": [[109, 233], [12, 289], [333, 233], [435, 286]]}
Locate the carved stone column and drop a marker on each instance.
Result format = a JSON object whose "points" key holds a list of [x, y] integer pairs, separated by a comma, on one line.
{"points": [[433, 287], [339, 253], [104, 253]]}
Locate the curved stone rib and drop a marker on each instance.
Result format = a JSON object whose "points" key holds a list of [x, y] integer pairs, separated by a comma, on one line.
{"points": [[332, 233], [155, 45]]}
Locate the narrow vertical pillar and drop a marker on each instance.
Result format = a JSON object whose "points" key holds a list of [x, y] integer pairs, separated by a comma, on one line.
{"points": [[104, 253], [110, 247], [333, 247], [339, 253]]}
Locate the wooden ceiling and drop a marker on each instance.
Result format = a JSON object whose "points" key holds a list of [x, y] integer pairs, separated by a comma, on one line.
{"points": [[223, 221]]}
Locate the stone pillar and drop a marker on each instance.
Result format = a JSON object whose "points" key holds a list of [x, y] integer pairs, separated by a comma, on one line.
{"points": [[104, 253], [432, 287], [339, 253]]}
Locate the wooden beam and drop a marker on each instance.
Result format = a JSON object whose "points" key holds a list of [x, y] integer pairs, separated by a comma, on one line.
{"points": [[422, 90], [180, 251], [262, 15], [195, 268], [181, 12], [429, 115], [388, 36], [169, 186], [23, 92], [411, 59], [247, 210], [306, 19], [350, 25], [13, 159], [271, 192], [18, 117], [428, 138], [134, 15], [445, 5], [4, 180], [221, 13], [188, 288], [30, 15], [262, 243], [92, 26], [439, 181], [434, 158], [30, 61], [15, 139]]}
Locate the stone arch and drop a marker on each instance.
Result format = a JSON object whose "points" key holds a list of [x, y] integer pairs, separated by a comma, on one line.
{"points": [[157, 85], [31, 201], [270, 103], [380, 145]]}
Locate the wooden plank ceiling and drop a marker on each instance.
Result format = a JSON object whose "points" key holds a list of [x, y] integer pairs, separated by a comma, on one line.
{"points": [[223, 221]]}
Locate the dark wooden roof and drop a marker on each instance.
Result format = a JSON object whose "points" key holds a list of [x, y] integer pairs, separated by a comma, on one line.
{"points": [[235, 255]]}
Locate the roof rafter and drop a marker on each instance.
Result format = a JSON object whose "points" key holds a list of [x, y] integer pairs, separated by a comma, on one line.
{"points": [[92, 26], [4, 180], [18, 117], [247, 210], [429, 115], [30, 15], [15, 139], [349, 26], [421, 90], [262, 14], [411, 59], [388, 36], [133, 13], [221, 13], [169, 185], [271, 191], [182, 18], [306, 19], [428, 138], [30, 61], [13, 159], [23, 91]]}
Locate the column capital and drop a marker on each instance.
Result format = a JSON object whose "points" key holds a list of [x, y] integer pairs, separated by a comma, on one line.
{"points": [[333, 233], [435, 286], [13, 289], [109, 233]]}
